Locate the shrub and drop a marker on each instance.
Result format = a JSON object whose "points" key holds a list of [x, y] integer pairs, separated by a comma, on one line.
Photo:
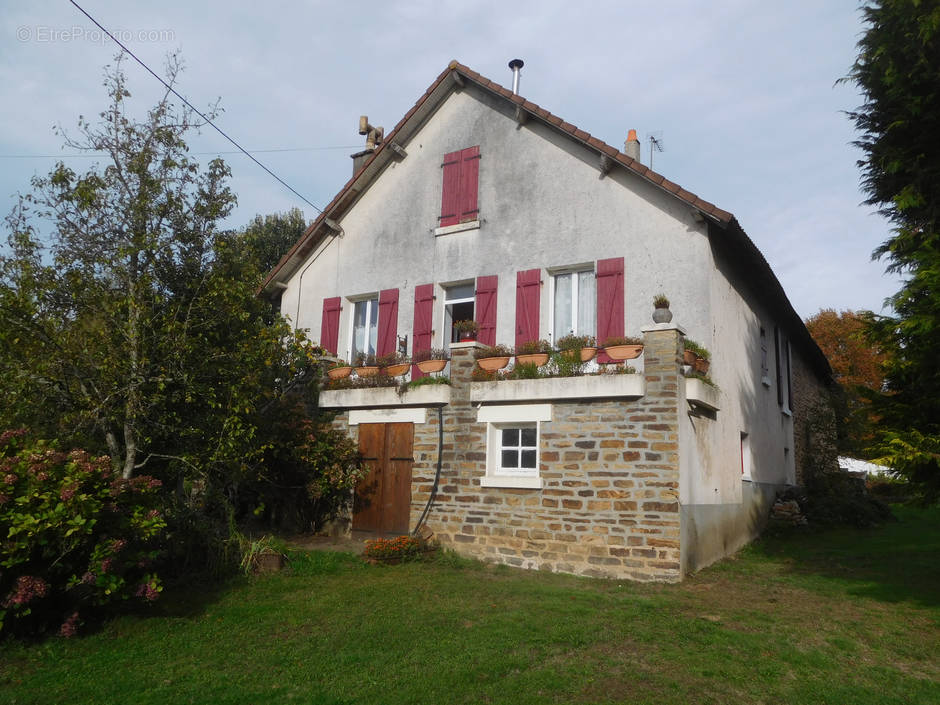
{"points": [[697, 348], [576, 342], [492, 351], [532, 347], [660, 301], [431, 354], [76, 537], [622, 340]]}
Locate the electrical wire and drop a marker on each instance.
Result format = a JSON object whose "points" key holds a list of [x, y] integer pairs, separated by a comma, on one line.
{"points": [[234, 151], [194, 109]]}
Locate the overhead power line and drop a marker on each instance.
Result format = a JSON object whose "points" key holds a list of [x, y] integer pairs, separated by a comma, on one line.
{"points": [[194, 109], [252, 151]]}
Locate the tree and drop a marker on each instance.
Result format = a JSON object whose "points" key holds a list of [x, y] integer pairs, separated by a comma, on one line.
{"points": [[270, 237], [857, 367], [139, 333], [898, 71]]}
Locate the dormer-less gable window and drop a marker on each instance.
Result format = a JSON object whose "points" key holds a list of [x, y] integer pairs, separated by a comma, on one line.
{"points": [[459, 192]]}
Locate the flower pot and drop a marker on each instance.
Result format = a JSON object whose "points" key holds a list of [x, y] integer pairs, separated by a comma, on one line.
{"points": [[623, 352], [587, 354], [397, 370], [367, 371], [430, 366], [491, 364], [662, 315], [268, 562], [538, 359], [701, 365], [339, 372], [688, 357], [467, 336]]}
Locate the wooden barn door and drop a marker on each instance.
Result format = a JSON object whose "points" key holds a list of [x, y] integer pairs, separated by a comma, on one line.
{"points": [[383, 498]]}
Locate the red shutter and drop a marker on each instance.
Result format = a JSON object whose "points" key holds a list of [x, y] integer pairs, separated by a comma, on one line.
{"points": [[469, 184], [388, 323], [423, 325], [461, 172], [329, 324], [610, 321], [486, 309], [528, 284]]}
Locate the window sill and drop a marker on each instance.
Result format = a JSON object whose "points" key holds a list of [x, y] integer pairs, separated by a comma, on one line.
{"points": [[765, 380], [786, 412], [525, 483], [458, 228], [585, 387]]}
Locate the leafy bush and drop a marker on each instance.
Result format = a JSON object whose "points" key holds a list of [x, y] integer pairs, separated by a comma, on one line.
{"points": [[622, 340], [492, 351], [697, 348], [76, 538], [574, 343], [533, 347], [430, 354]]}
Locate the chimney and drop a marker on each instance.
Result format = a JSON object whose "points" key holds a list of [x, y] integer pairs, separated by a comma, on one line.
{"points": [[632, 146], [516, 66], [374, 137]]}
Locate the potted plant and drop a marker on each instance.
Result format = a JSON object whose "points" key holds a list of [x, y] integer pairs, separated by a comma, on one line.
{"points": [[533, 352], [575, 347], [623, 348], [393, 364], [366, 365], [339, 369], [697, 356], [431, 360], [661, 312], [493, 358], [466, 329]]}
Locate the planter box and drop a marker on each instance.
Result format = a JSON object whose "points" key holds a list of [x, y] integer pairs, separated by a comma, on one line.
{"points": [[431, 395], [700, 394], [586, 387]]}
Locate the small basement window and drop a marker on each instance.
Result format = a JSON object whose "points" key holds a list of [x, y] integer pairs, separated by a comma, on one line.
{"points": [[512, 444]]}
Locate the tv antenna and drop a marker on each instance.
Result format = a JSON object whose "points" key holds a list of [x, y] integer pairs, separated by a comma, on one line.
{"points": [[656, 144]]}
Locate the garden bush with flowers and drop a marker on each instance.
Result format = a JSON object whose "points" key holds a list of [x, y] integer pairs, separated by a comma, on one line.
{"points": [[75, 538], [401, 548]]}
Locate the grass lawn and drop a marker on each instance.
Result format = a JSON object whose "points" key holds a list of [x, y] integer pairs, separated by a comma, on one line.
{"points": [[849, 616]]}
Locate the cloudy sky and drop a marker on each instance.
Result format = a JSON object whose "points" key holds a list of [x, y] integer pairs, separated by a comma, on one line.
{"points": [[742, 92]]}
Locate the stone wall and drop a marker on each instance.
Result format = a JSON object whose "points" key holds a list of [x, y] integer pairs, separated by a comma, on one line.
{"points": [[813, 416], [609, 506]]}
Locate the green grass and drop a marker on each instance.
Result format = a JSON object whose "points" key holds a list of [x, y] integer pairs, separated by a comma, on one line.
{"points": [[841, 617]]}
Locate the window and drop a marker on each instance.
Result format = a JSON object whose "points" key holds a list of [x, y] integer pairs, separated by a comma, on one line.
{"points": [[518, 451], [512, 444], [745, 456], [365, 327], [458, 306], [574, 304], [764, 365], [461, 172], [784, 385]]}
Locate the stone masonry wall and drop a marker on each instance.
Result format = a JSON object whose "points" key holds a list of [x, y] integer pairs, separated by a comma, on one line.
{"points": [[609, 506], [812, 414]]}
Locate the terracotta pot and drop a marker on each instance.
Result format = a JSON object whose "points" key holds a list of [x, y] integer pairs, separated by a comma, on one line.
{"points": [[623, 352], [587, 354], [368, 371], [688, 357], [339, 372], [397, 370], [701, 365], [532, 359], [491, 364], [429, 366]]}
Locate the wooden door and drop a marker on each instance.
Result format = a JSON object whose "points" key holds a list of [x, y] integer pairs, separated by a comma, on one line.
{"points": [[383, 498]]}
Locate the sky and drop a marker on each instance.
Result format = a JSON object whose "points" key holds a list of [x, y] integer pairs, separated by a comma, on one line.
{"points": [[743, 95]]}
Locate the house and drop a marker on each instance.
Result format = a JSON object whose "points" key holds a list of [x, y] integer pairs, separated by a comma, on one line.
{"points": [[481, 205]]}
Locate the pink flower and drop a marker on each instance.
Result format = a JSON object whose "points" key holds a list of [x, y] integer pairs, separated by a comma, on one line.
{"points": [[10, 479], [88, 578], [28, 587], [106, 565], [69, 626]]}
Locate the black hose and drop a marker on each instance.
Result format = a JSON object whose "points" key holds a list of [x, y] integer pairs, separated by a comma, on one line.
{"points": [[437, 475]]}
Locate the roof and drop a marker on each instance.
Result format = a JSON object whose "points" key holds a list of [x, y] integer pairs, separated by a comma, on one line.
{"points": [[454, 77]]}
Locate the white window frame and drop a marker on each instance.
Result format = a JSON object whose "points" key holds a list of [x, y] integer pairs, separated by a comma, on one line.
{"points": [[498, 418], [447, 323], [371, 300], [571, 269]]}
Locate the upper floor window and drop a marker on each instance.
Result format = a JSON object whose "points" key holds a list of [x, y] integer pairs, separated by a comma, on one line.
{"points": [[764, 364], [460, 185], [784, 382], [365, 327], [574, 304], [458, 306]]}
